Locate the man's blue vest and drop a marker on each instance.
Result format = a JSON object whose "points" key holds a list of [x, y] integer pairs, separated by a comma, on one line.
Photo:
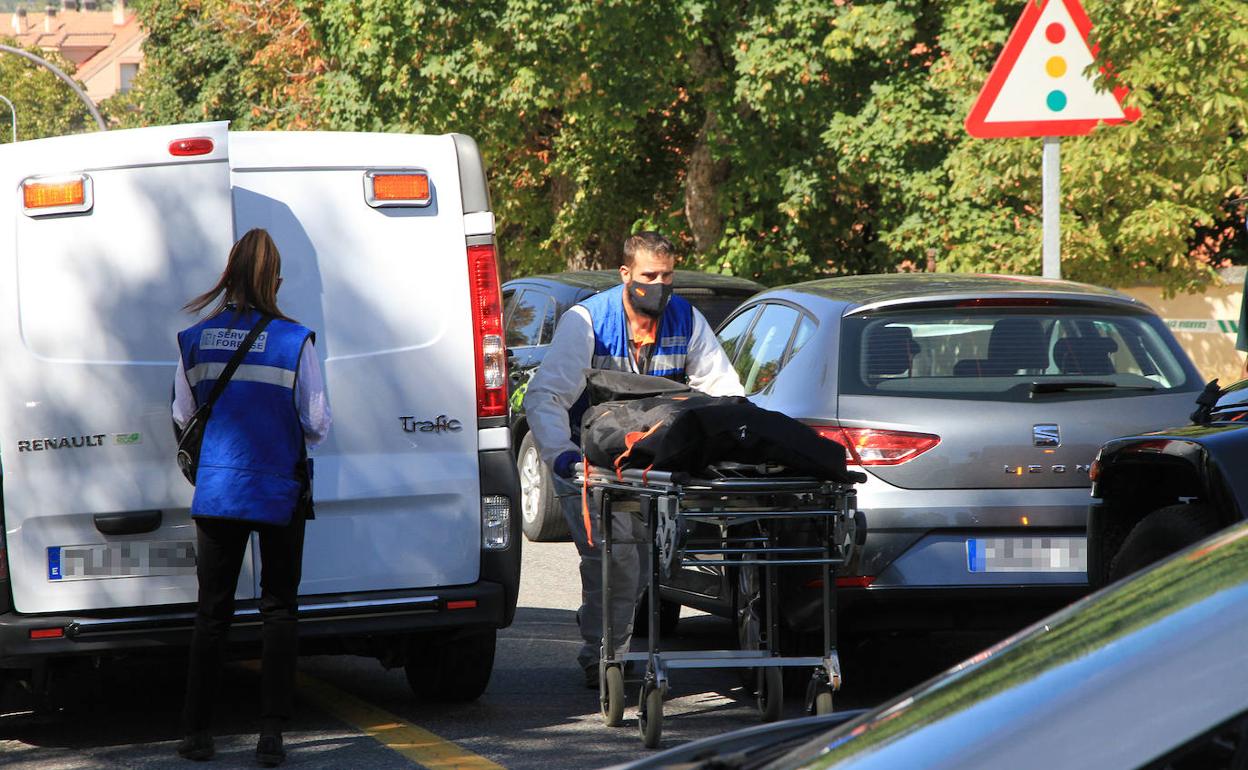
{"points": [[611, 342], [253, 444]]}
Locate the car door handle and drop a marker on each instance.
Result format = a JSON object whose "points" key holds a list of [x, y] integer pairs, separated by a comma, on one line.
{"points": [[128, 522]]}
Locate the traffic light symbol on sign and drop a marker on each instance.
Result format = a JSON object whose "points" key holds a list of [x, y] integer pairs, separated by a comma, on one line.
{"points": [[1038, 86]]}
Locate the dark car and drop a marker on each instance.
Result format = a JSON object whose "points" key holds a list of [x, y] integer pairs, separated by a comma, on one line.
{"points": [[1158, 492], [1147, 674], [531, 308]]}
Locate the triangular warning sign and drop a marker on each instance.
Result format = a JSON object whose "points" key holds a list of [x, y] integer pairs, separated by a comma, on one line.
{"points": [[1037, 87]]}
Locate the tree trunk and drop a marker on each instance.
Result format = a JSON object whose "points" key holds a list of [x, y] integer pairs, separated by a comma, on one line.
{"points": [[704, 174]]}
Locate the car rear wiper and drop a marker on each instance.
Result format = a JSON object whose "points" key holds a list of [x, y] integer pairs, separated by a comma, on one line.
{"points": [[1040, 388]]}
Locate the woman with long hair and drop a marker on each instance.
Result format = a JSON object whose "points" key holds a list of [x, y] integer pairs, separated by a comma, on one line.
{"points": [[252, 476]]}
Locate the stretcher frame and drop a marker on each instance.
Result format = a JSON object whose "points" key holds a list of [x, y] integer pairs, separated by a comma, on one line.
{"points": [[667, 502]]}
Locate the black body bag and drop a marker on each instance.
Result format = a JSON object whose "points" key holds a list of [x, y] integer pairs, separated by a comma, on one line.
{"points": [[689, 432], [191, 436]]}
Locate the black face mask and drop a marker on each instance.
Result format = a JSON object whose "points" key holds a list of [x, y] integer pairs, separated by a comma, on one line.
{"points": [[649, 298]]}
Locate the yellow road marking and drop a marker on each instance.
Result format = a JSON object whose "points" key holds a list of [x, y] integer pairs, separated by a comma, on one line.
{"points": [[415, 743]]}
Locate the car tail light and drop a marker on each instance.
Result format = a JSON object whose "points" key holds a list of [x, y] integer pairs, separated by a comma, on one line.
{"points": [[462, 604], [487, 324], [874, 446], [47, 633], [57, 195], [396, 188], [198, 145]]}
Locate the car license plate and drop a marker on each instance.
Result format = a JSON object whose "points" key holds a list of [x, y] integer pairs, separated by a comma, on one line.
{"points": [[1027, 554], [138, 558]]}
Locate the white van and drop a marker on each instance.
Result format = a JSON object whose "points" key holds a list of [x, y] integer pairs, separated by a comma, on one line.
{"points": [[387, 244]]}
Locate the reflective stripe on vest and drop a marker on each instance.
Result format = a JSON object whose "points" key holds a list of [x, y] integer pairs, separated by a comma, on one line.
{"points": [[253, 443]]}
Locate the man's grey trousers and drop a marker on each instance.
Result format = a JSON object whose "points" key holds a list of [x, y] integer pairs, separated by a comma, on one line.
{"points": [[630, 551]]}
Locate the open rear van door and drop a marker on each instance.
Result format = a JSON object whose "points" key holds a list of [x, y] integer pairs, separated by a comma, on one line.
{"points": [[113, 233]]}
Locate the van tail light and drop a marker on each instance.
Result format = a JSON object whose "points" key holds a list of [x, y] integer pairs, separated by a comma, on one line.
{"points": [[57, 195], [487, 324], [874, 446], [396, 188]]}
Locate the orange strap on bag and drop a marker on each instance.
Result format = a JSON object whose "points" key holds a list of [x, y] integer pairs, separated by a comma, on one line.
{"points": [[630, 440], [589, 530]]}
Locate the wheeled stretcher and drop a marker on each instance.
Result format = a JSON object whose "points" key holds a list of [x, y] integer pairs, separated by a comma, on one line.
{"points": [[745, 507]]}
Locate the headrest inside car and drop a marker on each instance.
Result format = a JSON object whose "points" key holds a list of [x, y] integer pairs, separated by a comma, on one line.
{"points": [[889, 351]]}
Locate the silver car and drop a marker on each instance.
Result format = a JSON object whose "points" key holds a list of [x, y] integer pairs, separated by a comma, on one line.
{"points": [[975, 405]]}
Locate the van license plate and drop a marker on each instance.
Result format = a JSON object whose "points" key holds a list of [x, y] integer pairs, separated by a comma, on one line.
{"points": [[1027, 554], [117, 560]]}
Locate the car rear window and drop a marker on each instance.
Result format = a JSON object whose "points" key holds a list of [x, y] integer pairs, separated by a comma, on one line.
{"points": [[1008, 354]]}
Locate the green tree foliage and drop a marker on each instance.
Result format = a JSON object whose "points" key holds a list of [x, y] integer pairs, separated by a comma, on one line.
{"points": [[247, 61], [777, 139], [45, 106]]}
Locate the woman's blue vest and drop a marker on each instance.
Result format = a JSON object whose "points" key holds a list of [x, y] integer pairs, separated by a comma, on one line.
{"points": [[611, 342], [253, 444]]}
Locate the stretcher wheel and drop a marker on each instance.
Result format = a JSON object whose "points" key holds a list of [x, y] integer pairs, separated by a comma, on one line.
{"points": [[770, 693], [611, 696], [823, 702], [650, 716]]}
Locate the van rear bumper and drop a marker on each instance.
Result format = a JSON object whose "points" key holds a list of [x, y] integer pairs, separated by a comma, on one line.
{"points": [[329, 620]]}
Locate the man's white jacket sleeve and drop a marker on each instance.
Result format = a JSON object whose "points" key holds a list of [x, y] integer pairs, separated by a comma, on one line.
{"points": [[558, 383]]}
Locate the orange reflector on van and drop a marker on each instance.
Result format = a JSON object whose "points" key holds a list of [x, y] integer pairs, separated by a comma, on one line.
{"points": [[61, 193], [49, 195], [47, 633], [463, 604], [396, 188]]}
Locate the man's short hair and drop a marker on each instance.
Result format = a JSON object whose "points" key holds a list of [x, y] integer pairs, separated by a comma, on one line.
{"points": [[648, 241]]}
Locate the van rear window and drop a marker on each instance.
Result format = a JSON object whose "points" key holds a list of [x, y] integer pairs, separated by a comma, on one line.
{"points": [[1008, 354]]}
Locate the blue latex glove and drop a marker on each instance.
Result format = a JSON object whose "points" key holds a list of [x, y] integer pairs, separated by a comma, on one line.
{"points": [[564, 462]]}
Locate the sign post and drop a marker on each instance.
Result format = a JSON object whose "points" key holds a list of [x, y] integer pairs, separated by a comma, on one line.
{"points": [[1038, 88]]}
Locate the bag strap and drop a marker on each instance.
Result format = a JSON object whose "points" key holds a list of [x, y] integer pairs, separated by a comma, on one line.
{"points": [[237, 359]]}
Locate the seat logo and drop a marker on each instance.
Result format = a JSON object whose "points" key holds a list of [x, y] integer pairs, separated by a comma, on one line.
{"points": [[1046, 435]]}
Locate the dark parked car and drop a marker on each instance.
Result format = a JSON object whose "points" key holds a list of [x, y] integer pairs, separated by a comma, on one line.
{"points": [[1159, 492], [1148, 674], [531, 308]]}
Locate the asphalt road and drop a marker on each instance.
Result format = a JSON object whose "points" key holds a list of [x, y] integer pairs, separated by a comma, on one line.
{"points": [[351, 712]]}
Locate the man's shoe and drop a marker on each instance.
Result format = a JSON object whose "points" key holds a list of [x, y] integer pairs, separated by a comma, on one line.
{"points": [[197, 746], [269, 751], [591, 676]]}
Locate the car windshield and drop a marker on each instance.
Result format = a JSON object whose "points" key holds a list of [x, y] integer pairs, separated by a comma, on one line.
{"points": [[1008, 354]]}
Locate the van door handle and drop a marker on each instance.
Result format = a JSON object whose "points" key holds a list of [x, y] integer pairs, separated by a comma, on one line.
{"points": [[128, 522]]}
